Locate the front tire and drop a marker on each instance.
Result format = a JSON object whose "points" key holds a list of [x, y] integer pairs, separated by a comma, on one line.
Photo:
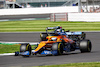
{"points": [[25, 47], [57, 49], [85, 46]]}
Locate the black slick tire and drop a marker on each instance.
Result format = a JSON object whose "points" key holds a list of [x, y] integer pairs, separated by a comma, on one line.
{"points": [[85, 46], [58, 47], [25, 47]]}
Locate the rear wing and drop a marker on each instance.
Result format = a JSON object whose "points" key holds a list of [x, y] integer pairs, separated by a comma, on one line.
{"points": [[51, 28], [81, 34], [74, 33]]}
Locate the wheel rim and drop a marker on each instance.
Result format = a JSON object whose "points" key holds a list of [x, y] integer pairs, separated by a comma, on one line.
{"points": [[60, 48], [89, 46]]}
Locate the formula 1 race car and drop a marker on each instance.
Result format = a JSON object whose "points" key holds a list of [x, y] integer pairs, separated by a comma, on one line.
{"points": [[57, 42]]}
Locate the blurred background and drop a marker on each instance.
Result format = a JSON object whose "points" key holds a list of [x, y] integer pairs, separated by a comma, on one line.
{"points": [[85, 5]]}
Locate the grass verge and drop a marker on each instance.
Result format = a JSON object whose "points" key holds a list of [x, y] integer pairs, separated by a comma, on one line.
{"points": [[89, 64], [5, 48], [9, 48], [40, 25]]}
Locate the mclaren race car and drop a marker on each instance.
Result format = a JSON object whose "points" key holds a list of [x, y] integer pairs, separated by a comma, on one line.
{"points": [[57, 42]]}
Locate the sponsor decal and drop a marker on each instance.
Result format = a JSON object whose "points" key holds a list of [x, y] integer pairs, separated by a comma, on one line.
{"points": [[46, 52]]}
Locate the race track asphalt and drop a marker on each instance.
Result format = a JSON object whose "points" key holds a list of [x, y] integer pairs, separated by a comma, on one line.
{"points": [[73, 57], [13, 17]]}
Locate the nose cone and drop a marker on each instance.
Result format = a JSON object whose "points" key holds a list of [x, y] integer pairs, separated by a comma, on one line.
{"points": [[43, 43]]}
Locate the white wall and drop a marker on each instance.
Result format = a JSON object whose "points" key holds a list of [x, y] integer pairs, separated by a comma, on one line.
{"points": [[89, 17], [74, 16], [44, 10]]}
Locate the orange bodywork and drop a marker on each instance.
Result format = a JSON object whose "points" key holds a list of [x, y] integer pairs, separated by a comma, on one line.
{"points": [[49, 41]]}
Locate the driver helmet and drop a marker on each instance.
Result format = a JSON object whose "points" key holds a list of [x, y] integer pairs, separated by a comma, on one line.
{"points": [[58, 30]]}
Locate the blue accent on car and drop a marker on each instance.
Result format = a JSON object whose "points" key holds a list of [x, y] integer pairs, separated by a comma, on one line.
{"points": [[77, 48], [61, 33], [25, 53], [16, 53], [67, 48], [46, 52], [73, 33], [54, 52]]}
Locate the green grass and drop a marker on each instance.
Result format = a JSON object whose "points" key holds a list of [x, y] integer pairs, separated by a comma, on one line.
{"points": [[5, 48], [40, 25], [9, 48], [89, 64]]}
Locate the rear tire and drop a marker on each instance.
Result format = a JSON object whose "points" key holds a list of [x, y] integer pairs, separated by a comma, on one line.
{"points": [[43, 36], [57, 49], [85, 46], [25, 47]]}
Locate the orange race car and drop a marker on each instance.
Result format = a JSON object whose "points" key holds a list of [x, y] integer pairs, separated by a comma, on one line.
{"points": [[57, 42]]}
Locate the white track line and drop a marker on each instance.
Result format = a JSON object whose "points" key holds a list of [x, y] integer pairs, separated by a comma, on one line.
{"points": [[31, 43], [7, 54], [4, 20], [21, 32]]}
